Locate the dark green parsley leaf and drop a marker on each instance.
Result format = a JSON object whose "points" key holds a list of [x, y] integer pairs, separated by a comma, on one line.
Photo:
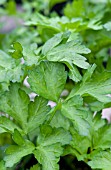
{"points": [[69, 53], [98, 87], [36, 167], [49, 146], [51, 136], [17, 53], [9, 70], [102, 138], [59, 120], [15, 153], [37, 113], [50, 44], [89, 73], [15, 103], [18, 139], [78, 114], [97, 122], [48, 80], [101, 132], [74, 73], [8, 125], [79, 144], [100, 160], [31, 54], [49, 156]]}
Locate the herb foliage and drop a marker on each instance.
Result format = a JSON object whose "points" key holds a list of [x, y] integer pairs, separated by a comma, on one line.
{"points": [[56, 53]]}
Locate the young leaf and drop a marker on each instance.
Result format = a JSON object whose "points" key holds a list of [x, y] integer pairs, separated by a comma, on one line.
{"points": [[48, 80], [37, 113]]}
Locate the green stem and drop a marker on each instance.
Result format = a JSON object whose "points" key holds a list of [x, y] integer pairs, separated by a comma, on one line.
{"points": [[53, 111]]}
